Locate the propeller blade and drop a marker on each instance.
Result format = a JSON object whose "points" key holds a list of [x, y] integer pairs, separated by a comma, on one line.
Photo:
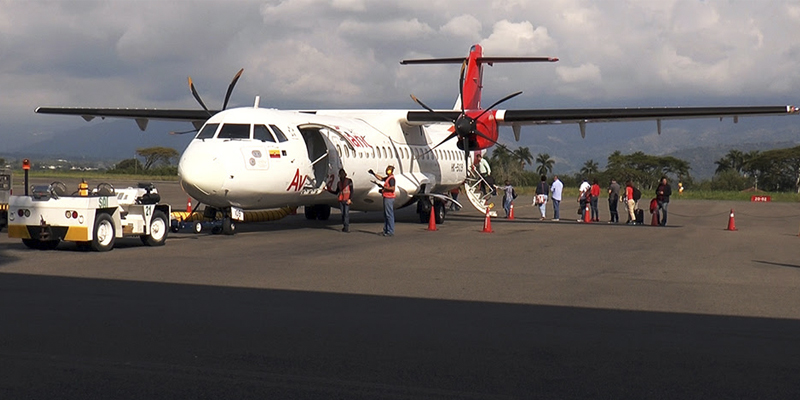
{"points": [[498, 102], [197, 96], [230, 88], [418, 101], [450, 136]]}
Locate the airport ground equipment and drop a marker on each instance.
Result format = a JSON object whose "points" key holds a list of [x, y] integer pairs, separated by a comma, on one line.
{"points": [[49, 215], [5, 193]]}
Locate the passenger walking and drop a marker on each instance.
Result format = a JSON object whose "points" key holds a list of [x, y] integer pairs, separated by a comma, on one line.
{"points": [[344, 189], [556, 189], [613, 201], [583, 199], [595, 192], [485, 173], [542, 189], [630, 202], [663, 192], [508, 196], [388, 200]]}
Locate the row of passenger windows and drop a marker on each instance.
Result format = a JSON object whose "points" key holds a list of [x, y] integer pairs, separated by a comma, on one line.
{"points": [[420, 153], [243, 131]]}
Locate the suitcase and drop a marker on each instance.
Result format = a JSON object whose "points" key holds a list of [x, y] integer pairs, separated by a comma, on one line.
{"points": [[639, 216]]}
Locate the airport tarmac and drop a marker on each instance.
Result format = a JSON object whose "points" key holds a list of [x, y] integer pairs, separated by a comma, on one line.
{"points": [[297, 309]]}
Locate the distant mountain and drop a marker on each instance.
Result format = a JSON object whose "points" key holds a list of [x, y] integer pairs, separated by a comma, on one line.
{"points": [[112, 140]]}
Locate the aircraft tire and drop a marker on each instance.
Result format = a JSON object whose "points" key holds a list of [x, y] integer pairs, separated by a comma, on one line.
{"points": [[311, 212], [323, 211], [440, 210], [228, 226]]}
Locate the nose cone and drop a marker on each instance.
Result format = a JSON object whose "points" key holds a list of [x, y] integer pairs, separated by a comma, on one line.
{"points": [[201, 173]]}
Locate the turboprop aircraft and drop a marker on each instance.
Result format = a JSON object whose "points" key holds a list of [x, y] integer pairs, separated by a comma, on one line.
{"points": [[258, 158]]}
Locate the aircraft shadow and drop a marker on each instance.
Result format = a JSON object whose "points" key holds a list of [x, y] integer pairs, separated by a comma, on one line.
{"points": [[71, 338]]}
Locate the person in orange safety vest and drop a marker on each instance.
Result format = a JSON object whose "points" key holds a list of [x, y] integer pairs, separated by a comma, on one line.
{"points": [[387, 190], [344, 190]]}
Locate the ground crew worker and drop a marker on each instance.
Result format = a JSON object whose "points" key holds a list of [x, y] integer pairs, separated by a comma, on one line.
{"points": [[344, 190], [388, 200]]}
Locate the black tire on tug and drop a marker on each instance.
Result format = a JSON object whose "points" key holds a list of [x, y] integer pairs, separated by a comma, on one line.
{"points": [[104, 233], [158, 230]]}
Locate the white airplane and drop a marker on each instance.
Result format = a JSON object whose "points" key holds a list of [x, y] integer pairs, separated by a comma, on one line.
{"points": [[256, 158]]}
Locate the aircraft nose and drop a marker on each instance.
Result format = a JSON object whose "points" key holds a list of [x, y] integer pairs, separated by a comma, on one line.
{"points": [[201, 173]]}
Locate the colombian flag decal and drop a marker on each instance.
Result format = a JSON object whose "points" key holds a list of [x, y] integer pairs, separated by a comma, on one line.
{"points": [[274, 154]]}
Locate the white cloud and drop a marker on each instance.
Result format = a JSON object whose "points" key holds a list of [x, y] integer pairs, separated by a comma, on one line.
{"points": [[586, 73], [517, 39], [463, 25]]}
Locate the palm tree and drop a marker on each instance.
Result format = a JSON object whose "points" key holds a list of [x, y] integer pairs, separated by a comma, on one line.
{"points": [[590, 167], [524, 156], [545, 164]]}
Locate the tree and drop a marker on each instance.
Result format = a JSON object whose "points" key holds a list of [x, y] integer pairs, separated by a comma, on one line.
{"points": [[590, 167], [545, 164], [523, 155], [157, 155], [127, 166]]}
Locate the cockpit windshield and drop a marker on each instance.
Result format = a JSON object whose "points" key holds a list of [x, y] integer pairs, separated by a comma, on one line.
{"points": [[207, 132], [234, 131]]}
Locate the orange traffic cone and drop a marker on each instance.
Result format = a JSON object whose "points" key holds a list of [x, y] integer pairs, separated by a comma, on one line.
{"points": [[487, 222], [511, 211], [432, 219], [189, 205], [587, 215], [731, 224], [654, 220]]}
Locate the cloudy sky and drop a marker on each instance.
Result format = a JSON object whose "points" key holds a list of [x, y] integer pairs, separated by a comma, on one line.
{"points": [[345, 53]]}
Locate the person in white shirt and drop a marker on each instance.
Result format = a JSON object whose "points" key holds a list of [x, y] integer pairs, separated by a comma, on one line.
{"points": [[556, 190], [583, 198]]}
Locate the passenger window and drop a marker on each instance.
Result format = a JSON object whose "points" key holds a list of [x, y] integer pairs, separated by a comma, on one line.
{"points": [[234, 131], [278, 133], [260, 132], [207, 132]]}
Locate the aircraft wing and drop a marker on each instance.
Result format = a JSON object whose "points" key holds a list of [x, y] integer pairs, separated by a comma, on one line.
{"points": [[141, 115], [581, 116]]}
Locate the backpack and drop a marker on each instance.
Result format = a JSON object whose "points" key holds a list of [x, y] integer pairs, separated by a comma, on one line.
{"points": [[513, 193], [637, 194]]}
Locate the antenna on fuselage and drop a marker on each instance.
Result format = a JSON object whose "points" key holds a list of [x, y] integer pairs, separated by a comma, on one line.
{"points": [[256, 103]]}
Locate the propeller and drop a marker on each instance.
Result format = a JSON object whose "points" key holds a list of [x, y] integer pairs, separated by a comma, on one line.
{"points": [[465, 126], [227, 94]]}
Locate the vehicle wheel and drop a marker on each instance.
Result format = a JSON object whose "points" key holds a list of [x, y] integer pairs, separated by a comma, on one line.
{"points": [[311, 212], [440, 211], [104, 233], [323, 211], [228, 226], [158, 230], [198, 227]]}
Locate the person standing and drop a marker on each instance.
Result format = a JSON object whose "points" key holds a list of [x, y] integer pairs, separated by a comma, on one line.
{"points": [[630, 202], [613, 201], [556, 190], [485, 173], [344, 189], [541, 196], [663, 192], [508, 196], [454, 195], [595, 192], [388, 199], [583, 198]]}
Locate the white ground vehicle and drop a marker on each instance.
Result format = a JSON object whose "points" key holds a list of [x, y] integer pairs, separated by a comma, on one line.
{"points": [[94, 221]]}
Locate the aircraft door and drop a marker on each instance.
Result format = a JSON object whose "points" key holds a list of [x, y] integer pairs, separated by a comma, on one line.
{"points": [[322, 155]]}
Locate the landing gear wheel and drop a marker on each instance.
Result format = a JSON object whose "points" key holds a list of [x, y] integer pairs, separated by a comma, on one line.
{"points": [[104, 233], [440, 210], [228, 226], [158, 230], [323, 211], [311, 212]]}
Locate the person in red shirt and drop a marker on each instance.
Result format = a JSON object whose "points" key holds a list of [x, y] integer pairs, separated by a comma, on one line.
{"points": [[344, 190], [595, 192]]}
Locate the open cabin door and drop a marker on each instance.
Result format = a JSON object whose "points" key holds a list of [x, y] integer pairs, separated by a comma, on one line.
{"points": [[321, 142]]}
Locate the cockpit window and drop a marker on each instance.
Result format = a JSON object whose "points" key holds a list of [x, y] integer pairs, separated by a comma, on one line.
{"points": [[207, 132], [234, 131], [260, 132], [278, 133]]}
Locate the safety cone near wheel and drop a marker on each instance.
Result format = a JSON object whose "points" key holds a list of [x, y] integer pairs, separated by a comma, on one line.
{"points": [[511, 211], [487, 222], [587, 215], [731, 223], [432, 219], [189, 206], [654, 219]]}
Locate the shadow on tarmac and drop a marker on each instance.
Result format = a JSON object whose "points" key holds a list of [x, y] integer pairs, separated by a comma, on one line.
{"points": [[71, 338]]}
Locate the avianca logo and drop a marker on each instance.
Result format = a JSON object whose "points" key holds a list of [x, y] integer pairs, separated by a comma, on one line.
{"points": [[297, 182], [358, 141]]}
